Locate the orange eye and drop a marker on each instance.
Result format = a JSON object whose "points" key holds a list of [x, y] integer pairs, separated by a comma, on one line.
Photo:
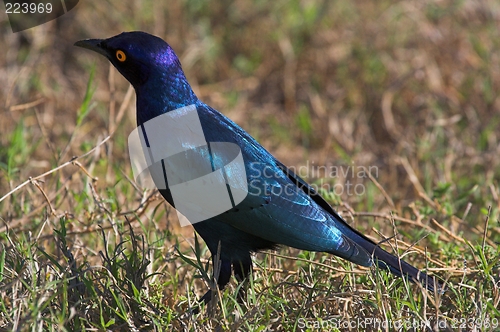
{"points": [[120, 55]]}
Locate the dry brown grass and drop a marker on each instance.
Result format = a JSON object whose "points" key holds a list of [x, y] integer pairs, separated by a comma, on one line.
{"points": [[411, 88]]}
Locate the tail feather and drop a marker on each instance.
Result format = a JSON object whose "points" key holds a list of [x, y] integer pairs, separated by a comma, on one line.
{"points": [[382, 258], [400, 268]]}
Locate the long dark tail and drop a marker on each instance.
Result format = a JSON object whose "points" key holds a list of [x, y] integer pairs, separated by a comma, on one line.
{"points": [[399, 267], [382, 258]]}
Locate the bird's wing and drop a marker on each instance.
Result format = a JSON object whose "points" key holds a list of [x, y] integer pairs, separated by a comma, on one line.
{"points": [[319, 200], [280, 206]]}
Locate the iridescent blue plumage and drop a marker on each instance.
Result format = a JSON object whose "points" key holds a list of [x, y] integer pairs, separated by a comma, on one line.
{"points": [[280, 208]]}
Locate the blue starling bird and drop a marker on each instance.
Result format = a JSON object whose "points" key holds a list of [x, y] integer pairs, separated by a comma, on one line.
{"points": [[280, 208]]}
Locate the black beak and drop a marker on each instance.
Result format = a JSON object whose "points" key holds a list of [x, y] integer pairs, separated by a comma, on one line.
{"points": [[93, 45]]}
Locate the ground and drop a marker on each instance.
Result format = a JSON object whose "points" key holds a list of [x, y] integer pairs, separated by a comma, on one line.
{"points": [[392, 109]]}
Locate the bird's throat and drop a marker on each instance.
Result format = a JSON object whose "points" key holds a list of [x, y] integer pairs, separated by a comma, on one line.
{"points": [[158, 97]]}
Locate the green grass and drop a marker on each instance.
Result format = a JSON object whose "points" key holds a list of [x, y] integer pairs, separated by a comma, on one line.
{"points": [[408, 89]]}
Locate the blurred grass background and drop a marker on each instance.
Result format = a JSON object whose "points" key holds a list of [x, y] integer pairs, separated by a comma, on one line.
{"points": [[408, 88]]}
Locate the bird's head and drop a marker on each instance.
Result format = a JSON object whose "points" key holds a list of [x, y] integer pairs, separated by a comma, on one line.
{"points": [[137, 55], [151, 66]]}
